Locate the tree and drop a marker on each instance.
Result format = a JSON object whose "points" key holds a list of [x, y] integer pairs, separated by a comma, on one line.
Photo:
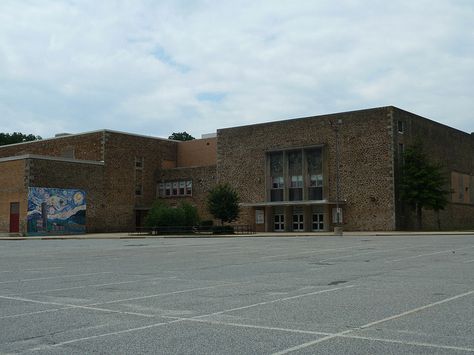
{"points": [[422, 183], [223, 203], [181, 136], [17, 137]]}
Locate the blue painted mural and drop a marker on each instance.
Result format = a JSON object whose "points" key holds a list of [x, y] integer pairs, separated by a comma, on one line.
{"points": [[56, 211]]}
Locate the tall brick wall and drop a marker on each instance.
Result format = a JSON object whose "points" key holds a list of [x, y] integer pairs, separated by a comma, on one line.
{"points": [[73, 175], [87, 146], [12, 189], [454, 151], [120, 174], [366, 164], [197, 152], [203, 178]]}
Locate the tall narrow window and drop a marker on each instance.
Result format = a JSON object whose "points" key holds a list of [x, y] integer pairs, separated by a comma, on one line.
{"points": [[276, 176], [295, 172], [400, 126], [315, 172]]}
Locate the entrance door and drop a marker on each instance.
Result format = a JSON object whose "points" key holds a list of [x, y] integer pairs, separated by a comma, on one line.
{"points": [[318, 222], [279, 223], [14, 217], [298, 222]]}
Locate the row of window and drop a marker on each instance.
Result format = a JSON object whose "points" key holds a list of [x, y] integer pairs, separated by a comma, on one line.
{"points": [[300, 168], [175, 188]]}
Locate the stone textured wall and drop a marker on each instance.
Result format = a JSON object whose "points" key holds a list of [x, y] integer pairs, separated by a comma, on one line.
{"points": [[73, 175], [87, 146], [454, 151], [12, 189], [203, 178], [120, 175], [366, 161]]}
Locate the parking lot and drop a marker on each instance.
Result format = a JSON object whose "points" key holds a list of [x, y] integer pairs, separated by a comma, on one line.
{"points": [[243, 295]]}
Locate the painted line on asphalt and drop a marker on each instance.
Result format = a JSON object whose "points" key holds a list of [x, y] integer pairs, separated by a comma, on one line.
{"points": [[99, 285], [365, 253], [429, 254], [92, 305], [43, 268], [165, 294], [66, 305], [371, 324], [413, 343], [301, 331], [314, 251], [274, 301], [469, 261], [56, 277], [44, 347]]}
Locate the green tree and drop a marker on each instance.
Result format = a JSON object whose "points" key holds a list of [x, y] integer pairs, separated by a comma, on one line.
{"points": [[423, 184], [223, 203], [17, 137], [181, 136]]}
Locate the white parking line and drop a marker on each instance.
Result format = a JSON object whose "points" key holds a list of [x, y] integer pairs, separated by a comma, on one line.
{"points": [[300, 331], [371, 324], [93, 285], [44, 347], [276, 300], [92, 305], [66, 306], [164, 294], [55, 277], [429, 254], [413, 343], [469, 261], [43, 268], [314, 251]]}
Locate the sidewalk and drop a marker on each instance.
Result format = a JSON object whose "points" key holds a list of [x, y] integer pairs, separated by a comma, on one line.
{"points": [[7, 236]]}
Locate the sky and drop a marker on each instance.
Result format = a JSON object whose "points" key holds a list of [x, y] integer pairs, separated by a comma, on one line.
{"points": [[155, 67]]}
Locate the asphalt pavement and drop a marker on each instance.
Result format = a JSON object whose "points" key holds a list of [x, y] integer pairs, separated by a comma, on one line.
{"points": [[356, 294]]}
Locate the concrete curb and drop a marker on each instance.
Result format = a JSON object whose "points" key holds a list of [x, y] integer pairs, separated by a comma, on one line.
{"points": [[256, 235]]}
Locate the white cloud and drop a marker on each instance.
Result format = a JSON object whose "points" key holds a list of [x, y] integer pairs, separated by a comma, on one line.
{"points": [[144, 66]]}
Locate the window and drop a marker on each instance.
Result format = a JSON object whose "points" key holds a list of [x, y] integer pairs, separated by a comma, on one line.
{"points": [[295, 171], [295, 175], [138, 189], [175, 188], [400, 126], [276, 176], [315, 170], [139, 162]]}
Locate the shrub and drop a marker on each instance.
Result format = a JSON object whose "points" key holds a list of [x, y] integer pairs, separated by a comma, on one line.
{"points": [[222, 230], [163, 215]]}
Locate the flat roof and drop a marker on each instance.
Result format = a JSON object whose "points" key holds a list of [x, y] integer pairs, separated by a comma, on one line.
{"points": [[48, 157]]}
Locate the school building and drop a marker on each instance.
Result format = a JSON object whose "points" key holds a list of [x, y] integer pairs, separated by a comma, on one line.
{"points": [[304, 174]]}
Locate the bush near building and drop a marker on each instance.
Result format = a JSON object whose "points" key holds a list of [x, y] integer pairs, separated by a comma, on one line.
{"points": [[163, 215]]}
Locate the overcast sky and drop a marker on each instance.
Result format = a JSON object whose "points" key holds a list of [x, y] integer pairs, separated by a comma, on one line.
{"points": [[155, 67]]}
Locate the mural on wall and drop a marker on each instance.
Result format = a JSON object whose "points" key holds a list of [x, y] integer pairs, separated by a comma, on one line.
{"points": [[56, 211]]}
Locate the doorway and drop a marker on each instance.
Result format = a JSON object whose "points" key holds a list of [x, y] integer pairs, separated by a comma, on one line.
{"points": [[14, 217]]}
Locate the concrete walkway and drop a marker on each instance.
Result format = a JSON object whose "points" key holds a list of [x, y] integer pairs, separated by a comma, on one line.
{"points": [[7, 236]]}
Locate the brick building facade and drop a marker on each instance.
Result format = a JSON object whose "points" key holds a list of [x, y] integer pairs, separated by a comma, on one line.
{"points": [[285, 172]]}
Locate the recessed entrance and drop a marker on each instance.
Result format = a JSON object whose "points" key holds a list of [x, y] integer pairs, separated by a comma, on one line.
{"points": [[318, 222]]}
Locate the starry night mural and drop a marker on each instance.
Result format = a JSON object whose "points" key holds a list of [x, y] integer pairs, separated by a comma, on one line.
{"points": [[56, 211]]}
